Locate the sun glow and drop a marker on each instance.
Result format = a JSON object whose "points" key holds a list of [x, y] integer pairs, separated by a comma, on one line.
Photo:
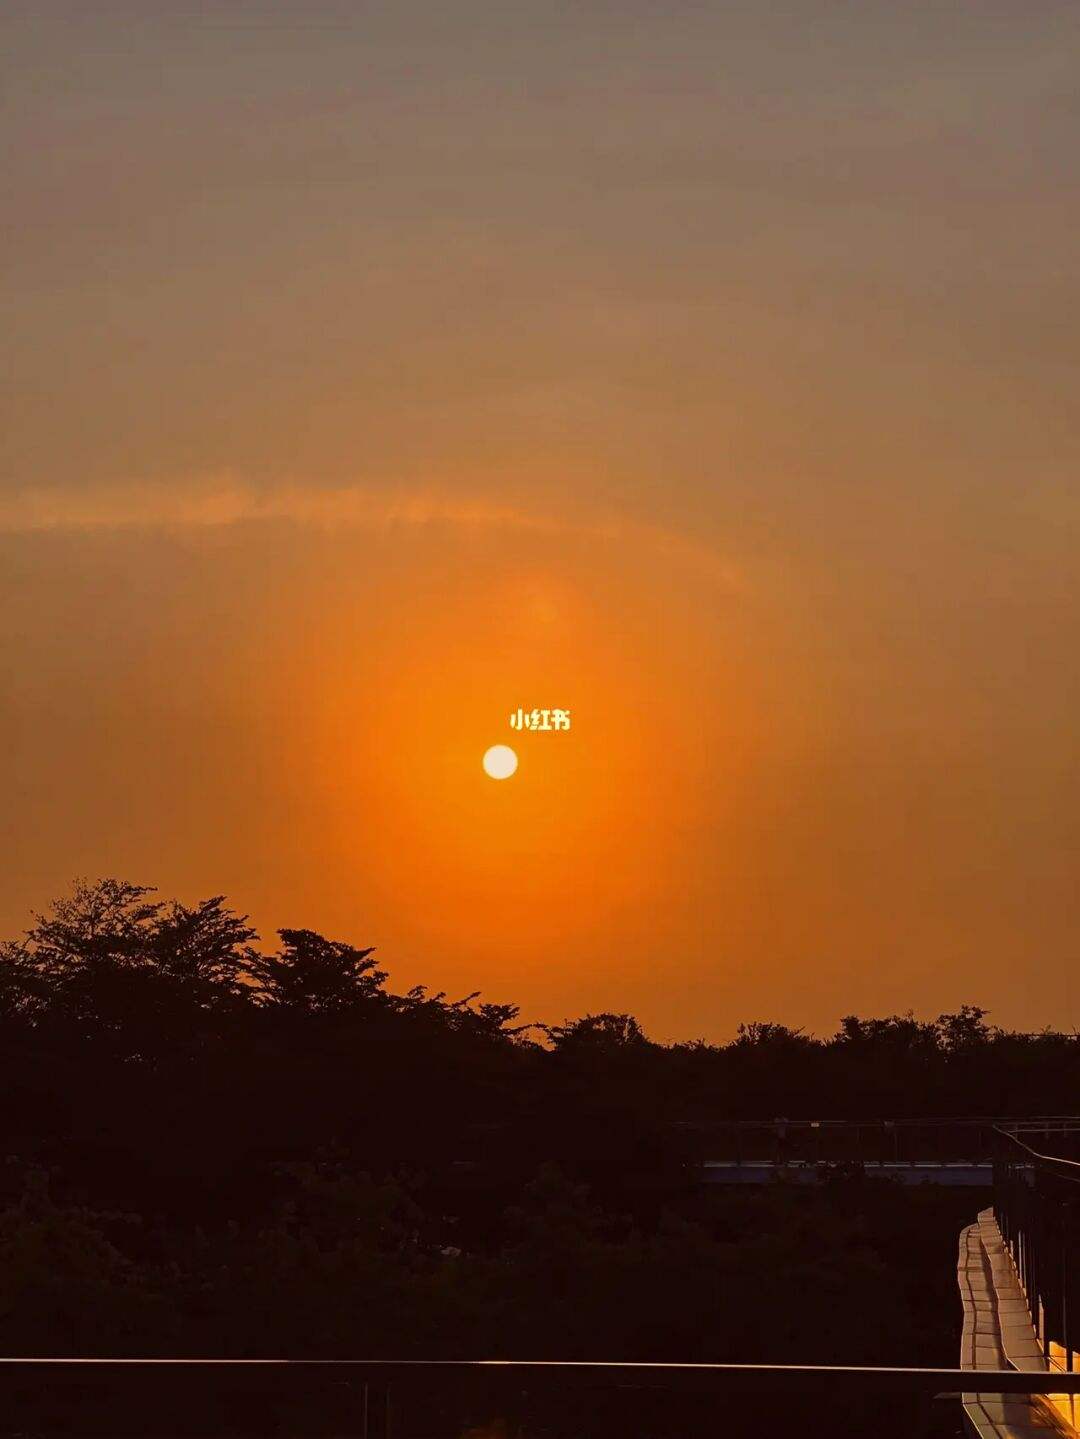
{"points": [[500, 761]]}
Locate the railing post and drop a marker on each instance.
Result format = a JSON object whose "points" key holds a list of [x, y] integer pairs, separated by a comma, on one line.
{"points": [[1069, 1336], [1066, 1322]]}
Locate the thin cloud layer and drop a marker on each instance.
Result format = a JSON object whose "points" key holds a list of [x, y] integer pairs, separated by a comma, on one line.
{"points": [[219, 502]]}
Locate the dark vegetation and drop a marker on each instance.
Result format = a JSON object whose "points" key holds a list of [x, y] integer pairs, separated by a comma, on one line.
{"points": [[218, 1151]]}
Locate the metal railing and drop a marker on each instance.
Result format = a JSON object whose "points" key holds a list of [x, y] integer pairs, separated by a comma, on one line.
{"points": [[1037, 1208], [972, 1141], [369, 1399]]}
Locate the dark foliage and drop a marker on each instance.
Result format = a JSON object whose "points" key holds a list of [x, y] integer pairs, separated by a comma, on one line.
{"points": [[213, 1149]]}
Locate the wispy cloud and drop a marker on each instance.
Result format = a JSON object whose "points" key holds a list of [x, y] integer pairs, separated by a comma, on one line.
{"points": [[220, 501], [223, 500]]}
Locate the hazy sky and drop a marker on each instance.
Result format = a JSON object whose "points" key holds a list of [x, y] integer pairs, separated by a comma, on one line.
{"points": [[707, 368]]}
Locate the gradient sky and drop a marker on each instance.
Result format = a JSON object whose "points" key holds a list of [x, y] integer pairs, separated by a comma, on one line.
{"points": [[707, 368]]}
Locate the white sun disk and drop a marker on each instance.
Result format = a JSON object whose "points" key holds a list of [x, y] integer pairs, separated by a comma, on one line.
{"points": [[500, 761]]}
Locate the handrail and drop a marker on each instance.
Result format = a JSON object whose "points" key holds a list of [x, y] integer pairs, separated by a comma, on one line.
{"points": [[785, 1141], [1017, 1124], [648, 1374], [1067, 1122], [1064, 1168], [1037, 1207]]}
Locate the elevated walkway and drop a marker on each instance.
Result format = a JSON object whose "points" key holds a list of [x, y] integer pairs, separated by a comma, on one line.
{"points": [[808, 1171], [998, 1334]]}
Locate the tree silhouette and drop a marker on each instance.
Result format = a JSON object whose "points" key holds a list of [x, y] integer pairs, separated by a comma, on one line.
{"points": [[317, 975]]}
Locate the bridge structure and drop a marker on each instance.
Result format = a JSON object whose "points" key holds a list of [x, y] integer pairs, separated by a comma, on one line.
{"points": [[1019, 1276], [950, 1151], [1019, 1260]]}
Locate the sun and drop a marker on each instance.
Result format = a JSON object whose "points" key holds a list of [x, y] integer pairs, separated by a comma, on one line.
{"points": [[500, 761]]}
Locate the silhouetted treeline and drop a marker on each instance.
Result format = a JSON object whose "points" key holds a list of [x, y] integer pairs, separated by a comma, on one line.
{"points": [[161, 1030], [215, 1149]]}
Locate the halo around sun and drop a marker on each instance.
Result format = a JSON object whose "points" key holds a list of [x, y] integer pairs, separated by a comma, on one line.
{"points": [[500, 761]]}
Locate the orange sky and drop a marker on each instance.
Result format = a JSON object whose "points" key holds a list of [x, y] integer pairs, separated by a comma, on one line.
{"points": [[709, 372]]}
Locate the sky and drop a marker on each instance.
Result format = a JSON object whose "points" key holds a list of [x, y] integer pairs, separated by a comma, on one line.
{"points": [[706, 369]]}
